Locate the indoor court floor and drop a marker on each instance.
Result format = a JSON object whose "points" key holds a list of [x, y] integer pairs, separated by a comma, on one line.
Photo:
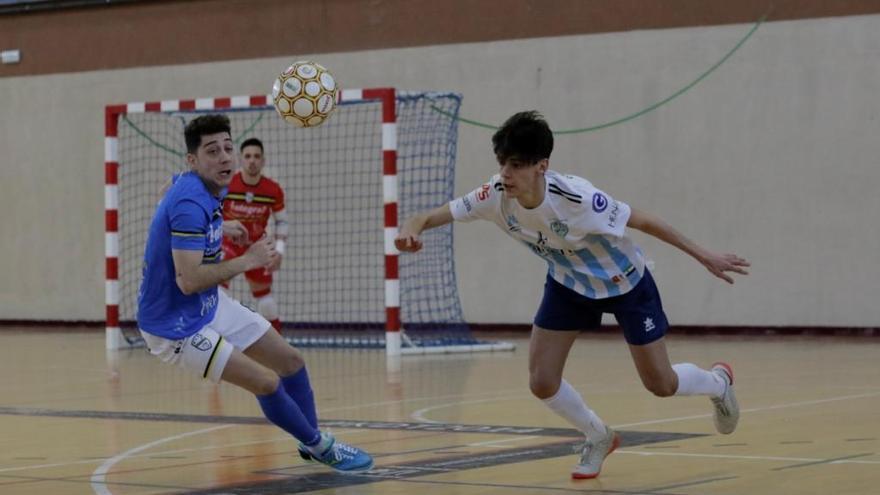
{"points": [[75, 419]]}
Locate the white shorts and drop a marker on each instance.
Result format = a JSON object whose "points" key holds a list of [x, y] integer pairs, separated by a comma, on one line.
{"points": [[207, 351]]}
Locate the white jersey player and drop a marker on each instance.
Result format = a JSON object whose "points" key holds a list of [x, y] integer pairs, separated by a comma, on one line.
{"points": [[593, 268]]}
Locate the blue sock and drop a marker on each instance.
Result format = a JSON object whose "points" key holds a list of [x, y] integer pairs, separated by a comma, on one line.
{"points": [[299, 389], [281, 410]]}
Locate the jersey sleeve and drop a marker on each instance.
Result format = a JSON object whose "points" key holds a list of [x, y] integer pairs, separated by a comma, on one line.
{"points": [[603, 214], [279, 193], [481, 203], [189, 226]]}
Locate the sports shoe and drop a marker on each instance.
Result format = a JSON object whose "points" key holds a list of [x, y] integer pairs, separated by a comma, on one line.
{"points": [[337, 455], [726, 408], [594, 453]]}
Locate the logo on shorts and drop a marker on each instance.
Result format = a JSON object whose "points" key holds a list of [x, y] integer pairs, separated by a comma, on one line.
{"points": [[201, 342], [649, 324], [559, 228], [600, 202]]}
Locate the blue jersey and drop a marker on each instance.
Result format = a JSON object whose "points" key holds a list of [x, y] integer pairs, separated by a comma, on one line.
{"points": [[188, 218]]}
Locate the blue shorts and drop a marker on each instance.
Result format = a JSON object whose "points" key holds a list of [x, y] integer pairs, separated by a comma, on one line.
{"points": [[639, 311]]}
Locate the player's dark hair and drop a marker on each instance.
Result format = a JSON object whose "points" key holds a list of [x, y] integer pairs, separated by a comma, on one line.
{"points": [[204, 125], [251, 142], [524, 136]]}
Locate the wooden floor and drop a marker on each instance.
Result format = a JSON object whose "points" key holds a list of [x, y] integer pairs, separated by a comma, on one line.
{"points": [[74, 420]]}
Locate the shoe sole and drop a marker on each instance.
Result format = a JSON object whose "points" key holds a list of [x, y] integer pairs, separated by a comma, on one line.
{"points": [[354, 471], [614, 444]]}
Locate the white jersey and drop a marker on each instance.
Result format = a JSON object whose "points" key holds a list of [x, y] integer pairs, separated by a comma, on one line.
{"points": [[577, 229]]}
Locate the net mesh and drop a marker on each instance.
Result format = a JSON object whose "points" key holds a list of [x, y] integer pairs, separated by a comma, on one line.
{"points": [[330, 288]]}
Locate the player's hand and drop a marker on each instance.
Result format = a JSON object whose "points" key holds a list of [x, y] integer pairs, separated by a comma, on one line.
{"points": [[718, 264], [233, 229], [407, 243], [261, 253], [275, 263]]}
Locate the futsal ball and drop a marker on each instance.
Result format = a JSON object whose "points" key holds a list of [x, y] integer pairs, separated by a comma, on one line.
{"points": [[305, 94]]}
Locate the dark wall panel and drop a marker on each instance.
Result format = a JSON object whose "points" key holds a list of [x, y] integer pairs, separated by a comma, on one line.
{"points": [[181, 32]]}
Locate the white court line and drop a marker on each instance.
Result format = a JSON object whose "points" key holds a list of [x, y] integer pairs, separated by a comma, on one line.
{"points": [[99, 485], [99, 475], [420, 414], [746, 457], [489, 443], [285, 438], [756, 409]]}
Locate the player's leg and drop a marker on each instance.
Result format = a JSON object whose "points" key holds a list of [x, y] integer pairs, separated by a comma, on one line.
{"points": [[286, 361], [260, 281], [640, 313], [277, 405], [289, 407], [565, 311], [214, 357]]}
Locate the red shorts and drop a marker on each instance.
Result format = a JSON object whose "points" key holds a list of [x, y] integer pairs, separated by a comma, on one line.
{"points": [[257, 275]]}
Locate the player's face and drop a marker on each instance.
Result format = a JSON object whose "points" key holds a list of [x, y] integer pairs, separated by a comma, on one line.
{"points": [[522, 179], [252, 161], [214, 160]]}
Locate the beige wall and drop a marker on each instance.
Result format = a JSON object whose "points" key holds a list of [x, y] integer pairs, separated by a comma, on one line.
{"points": [[772, 157]]}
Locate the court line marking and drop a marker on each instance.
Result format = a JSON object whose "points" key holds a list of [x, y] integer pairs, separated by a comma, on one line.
{"points": [[420, 415], [492, 443], [824, 461], [755, 409], [744, 457], [693, 483], [99, 475]]}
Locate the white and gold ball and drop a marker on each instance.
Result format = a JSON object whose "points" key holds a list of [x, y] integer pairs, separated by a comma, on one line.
{"points": [[305, 94]]}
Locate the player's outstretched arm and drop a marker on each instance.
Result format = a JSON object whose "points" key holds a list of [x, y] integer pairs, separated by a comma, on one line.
{"points": [[193, 276], [716, 263], [407, 239]]}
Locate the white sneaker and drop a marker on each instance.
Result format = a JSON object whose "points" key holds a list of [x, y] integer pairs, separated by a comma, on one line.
{"points": [[593, 453], [726, 408]]}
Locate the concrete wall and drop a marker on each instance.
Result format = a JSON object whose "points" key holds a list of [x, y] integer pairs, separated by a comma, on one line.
{"points": [[771, 157]]}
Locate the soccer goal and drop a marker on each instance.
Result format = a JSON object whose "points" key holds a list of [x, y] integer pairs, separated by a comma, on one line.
{"points": [[382, 156]]}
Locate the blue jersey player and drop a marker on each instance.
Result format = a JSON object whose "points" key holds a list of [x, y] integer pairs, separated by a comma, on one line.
{"points": [[593, 268], [186, 321]]}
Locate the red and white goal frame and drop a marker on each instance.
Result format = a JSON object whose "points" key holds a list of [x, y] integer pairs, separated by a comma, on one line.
{"points": [[113, 113]]}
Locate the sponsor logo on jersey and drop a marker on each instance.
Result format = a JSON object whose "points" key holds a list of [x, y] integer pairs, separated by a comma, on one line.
{"points": [[612, 215], [249, 197], [600, 202], [208, 303], [559, 228], [483, 193], [467, 204]]}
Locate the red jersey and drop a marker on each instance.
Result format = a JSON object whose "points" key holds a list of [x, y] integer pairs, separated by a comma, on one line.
{"points": [[252, 205]]}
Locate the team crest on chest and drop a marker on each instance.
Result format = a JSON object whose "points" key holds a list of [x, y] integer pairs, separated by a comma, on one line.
{"points": [[559, 228], [249, 197]]}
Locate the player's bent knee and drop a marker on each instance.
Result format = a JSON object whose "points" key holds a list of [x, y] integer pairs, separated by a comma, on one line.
{"points": [[264, 384], [542, 387], [661, 388]]}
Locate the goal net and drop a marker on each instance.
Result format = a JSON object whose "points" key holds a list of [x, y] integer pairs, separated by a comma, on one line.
{"points": [[381, 157]]}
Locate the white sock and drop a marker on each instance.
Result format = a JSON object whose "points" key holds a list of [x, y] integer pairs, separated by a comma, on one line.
{"points": [[267, 307], [569, 404], [693, 380]]}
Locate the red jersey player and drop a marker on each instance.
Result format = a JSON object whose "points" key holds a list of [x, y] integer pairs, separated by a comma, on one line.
{"points": [[252, 199]]}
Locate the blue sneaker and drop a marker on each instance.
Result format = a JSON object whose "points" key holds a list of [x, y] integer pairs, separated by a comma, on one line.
{"points": [[337, 455]]}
